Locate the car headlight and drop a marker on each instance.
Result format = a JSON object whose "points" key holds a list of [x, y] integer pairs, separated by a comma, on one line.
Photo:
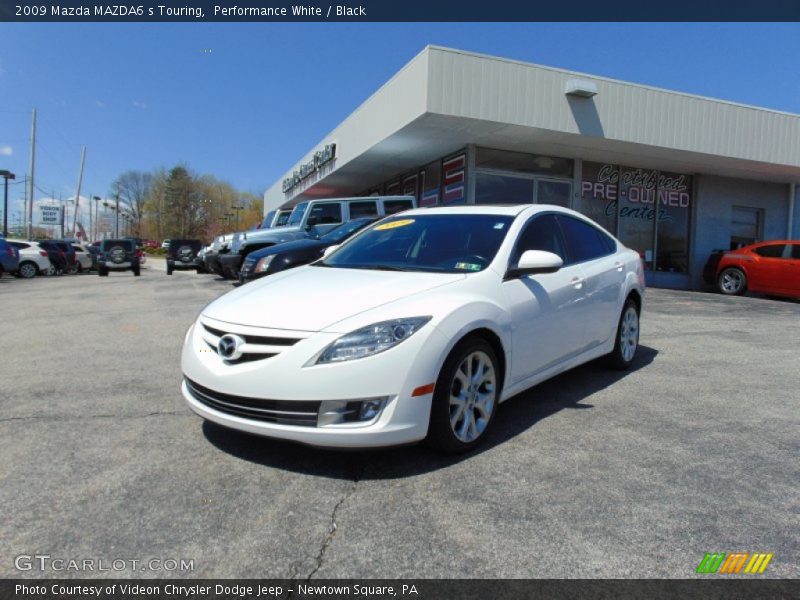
{"points": [[263, 264], [371, 339]]}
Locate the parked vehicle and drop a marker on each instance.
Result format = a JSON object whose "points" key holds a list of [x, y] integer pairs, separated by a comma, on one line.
{"points": [[310, 220], [407, 330], [9, 257], [219, 247], [62, 255], [201, 259], [117, 255], [151, 244], [33, 259], [182, 255], [768, 267], [165, 244], [288, 255], [83, 257]]}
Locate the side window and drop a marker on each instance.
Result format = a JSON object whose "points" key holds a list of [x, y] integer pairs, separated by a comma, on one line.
{"points": [[283, 218], [326, 214], [395, 206], [542, 233], [796, 251], [363, 209], [771, 251], [584, 241]]}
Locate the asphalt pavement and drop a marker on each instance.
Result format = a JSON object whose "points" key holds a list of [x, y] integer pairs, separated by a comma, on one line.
{"points": [[593, 474]]}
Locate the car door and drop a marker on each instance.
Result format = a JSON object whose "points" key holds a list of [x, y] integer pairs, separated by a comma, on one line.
{"points": [[545, 309], [767, 273], [605, 276]]}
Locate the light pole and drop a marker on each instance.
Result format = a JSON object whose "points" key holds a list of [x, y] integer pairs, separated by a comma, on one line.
{"points": [[116, 216], [6, 175], [96, 205], [237, 208]]}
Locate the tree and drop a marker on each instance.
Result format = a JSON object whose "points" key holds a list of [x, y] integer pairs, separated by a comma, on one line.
{"points": [[133, 188]]}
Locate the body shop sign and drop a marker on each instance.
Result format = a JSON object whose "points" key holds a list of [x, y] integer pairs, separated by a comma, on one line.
{"points": [[644, 194]]}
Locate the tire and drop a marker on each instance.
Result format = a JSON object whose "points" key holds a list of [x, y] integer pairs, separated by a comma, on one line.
{"points": [[626, 343], [137, 271], [169, 269], [102, 271], [455, 406], [732, 282], [27, 270]]}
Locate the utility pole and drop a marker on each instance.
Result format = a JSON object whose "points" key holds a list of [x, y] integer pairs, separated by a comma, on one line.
{"points": [[63, 211], [78, 195], [30, 181], [96, 224]]}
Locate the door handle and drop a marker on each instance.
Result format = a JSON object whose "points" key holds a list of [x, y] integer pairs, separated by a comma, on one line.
{"points": [[577, 282], [618, 266]]}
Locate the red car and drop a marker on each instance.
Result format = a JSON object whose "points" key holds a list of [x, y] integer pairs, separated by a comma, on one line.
{"points": [[768, 267]]}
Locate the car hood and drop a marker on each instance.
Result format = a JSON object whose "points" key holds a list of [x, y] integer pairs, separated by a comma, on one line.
{"points": [[316, 298]]}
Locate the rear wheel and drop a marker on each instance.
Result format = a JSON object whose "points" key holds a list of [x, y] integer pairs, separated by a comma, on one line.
{"points": [[732, 282], [627, 342], [137, 271], [169, 269], [465, 397], [102, 271], [28, 270]]}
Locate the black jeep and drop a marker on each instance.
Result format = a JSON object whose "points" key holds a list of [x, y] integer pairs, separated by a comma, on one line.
{"points": [[117, 255], [182, 254]]}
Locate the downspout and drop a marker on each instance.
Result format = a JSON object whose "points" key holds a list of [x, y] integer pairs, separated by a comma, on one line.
{"points": [[792, 201]]}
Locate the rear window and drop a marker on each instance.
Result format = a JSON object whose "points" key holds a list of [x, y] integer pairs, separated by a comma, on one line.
{"points": [[128, 244], [325, 214], [584, 241], [796, 251], [363, 209]]}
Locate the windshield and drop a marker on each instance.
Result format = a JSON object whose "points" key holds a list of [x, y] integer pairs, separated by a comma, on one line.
{"points": [[297, 214], [338, 234], [267, 220], [438, 243], [283, 218]]}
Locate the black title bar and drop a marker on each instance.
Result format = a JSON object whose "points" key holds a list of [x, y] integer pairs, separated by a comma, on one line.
{"points": [[398, 11]]}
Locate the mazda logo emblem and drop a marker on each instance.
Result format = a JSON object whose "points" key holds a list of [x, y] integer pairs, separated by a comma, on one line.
{"points": [[230, 346]]}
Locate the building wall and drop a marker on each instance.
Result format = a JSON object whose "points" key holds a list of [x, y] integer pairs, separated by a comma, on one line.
{"points": [[716, 197], [795, 233]]}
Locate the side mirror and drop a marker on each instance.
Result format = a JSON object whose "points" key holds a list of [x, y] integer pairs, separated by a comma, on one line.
{"points": [[535, 262], [329, 250]]}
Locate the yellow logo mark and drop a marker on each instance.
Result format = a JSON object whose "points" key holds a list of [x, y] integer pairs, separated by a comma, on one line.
{"points": [[393, 224]]}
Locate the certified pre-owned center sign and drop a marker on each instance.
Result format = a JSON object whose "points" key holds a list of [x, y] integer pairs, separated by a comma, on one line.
{"points": [[321, 157]]}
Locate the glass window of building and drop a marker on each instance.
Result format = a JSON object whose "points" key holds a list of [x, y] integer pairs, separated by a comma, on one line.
{"points": [[431, 184], [746, 225], [637, 212], [553, 192], [454, 176], [503, 189], [674, 205], [599, 190], [504, 160]]}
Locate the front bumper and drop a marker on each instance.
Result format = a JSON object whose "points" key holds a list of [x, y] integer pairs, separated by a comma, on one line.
{"points": [[284, 379], [230, 263], [212, 263]]}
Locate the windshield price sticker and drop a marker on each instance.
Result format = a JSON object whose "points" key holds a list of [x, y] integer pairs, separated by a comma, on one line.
{"points": [[394, 224]]}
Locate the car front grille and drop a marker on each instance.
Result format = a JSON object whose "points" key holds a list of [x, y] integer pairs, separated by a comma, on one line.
{"points": [[284, 412], [256, 347]]}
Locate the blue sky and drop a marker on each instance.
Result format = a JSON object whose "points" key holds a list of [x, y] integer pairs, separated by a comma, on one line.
{"points": [[144, 96]]}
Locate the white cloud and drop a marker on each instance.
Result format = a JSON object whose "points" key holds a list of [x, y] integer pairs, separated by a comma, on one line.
{"points": [[6, 150], [139, 104]]}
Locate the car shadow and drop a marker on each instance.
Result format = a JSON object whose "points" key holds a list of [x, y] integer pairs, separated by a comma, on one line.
{"points": [[515, 416]]}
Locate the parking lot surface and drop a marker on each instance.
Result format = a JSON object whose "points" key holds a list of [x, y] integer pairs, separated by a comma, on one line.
{"points": [[593, 474]]}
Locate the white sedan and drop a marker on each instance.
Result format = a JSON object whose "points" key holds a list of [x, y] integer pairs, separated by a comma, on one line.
{"points": [[416, 328]]}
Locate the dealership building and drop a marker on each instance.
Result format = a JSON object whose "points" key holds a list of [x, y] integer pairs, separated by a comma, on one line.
{"points": [[672, 175]]}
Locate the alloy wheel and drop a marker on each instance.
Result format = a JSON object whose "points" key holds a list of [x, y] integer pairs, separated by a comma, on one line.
{"points": [[629, 335], [473, 395], [731, 281], [28, 271]]}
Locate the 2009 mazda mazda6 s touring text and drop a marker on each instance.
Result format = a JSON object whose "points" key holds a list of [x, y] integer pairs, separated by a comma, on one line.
{"points": [[417, 327]]}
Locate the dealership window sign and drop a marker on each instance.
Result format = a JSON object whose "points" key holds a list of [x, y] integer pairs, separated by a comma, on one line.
{"points": [[51, 215], [648, 194], [320, 158]]}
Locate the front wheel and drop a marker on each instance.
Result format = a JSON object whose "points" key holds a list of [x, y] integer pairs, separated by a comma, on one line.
{"points": [[465, 397], [627, 341], [732, 282]]}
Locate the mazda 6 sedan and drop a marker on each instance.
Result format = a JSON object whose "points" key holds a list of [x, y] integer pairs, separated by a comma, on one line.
{"points": [[416, 328]]}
